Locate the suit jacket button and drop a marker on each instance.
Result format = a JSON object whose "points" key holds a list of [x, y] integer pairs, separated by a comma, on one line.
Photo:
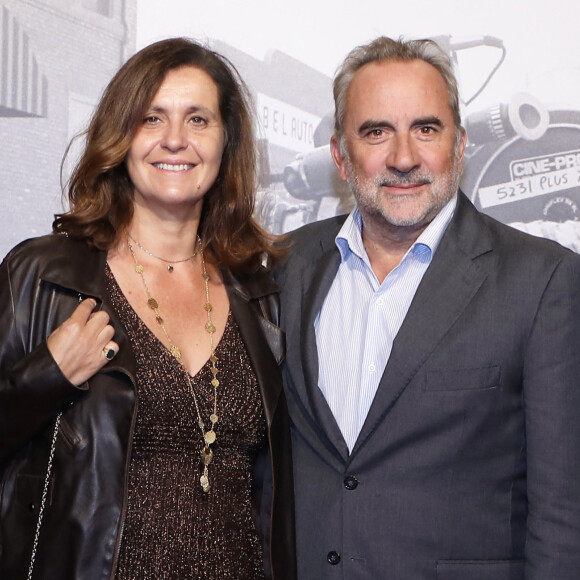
{"points": [[333, 558], [350, 482]]}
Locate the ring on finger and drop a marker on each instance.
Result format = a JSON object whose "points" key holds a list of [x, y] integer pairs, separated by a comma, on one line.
{"points": [[109, 353]]}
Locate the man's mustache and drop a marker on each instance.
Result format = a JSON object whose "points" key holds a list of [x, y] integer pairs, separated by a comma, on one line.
{"points": [[397, 178]]}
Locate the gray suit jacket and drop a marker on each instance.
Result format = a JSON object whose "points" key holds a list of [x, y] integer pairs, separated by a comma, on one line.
{"points": [[468, 464]]}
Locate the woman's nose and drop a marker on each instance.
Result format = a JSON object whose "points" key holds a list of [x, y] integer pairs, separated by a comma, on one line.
{"points": [[174, 137]]}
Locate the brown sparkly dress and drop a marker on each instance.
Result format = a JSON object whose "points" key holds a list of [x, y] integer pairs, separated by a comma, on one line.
{"points": [[172, 529]]}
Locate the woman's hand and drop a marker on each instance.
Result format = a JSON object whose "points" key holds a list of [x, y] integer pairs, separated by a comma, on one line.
{"points": [[82, 344]]}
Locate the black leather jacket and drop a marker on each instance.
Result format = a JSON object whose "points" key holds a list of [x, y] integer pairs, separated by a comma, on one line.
{"points": [[41, 281]]}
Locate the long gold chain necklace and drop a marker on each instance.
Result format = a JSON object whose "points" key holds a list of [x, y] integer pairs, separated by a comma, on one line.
{"points": [[209, 436], [168, 262]]}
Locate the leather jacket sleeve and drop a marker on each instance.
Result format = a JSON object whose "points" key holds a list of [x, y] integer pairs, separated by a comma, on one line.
{"points": [[32, 388]]}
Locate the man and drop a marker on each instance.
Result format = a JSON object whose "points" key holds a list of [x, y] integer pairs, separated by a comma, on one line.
{"points": [[432, 365]]}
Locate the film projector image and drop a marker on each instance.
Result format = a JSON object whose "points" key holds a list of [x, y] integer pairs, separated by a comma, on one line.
{"points": [[521, 166]]}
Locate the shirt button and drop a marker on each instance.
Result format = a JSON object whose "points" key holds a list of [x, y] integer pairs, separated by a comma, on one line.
{"points": [[333, 558], [372, 368], [380, 301], [350, 482]]}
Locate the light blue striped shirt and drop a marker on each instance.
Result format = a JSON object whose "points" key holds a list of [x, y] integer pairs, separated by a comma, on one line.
{"points": [[360, 318]]}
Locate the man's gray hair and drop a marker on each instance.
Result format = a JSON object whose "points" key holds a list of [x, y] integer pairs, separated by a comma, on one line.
{"points": [[384, 49]]}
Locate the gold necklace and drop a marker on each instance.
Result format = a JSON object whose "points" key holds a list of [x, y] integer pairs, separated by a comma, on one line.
{"points": [[168, 262], [209, 436]]}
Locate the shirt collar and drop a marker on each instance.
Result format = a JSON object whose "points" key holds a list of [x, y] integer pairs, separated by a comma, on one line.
{"points": [[349, 237]]}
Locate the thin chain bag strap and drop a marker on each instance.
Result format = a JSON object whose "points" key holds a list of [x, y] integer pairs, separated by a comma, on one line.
{"points": [[44, 496]]}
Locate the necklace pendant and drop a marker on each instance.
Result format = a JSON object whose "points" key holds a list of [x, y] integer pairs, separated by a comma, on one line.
{"points": [[209, 437], [206, 455], [170, 268], [204, 480]]}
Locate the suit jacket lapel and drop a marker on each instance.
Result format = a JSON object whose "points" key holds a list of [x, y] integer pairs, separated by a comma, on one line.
{"points": [[324, 272], [450, 283], [316, 278]]}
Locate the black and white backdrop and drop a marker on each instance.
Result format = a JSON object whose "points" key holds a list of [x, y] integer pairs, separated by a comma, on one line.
{"points": [[518, 65]]}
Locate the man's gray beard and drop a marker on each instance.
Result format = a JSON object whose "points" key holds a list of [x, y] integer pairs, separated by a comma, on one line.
{"points": [[371, 205]]}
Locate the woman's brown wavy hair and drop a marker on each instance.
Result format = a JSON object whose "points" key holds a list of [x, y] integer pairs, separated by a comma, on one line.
{"points": [[100, 192]]}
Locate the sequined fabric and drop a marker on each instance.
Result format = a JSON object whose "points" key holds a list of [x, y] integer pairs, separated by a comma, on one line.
{"points": [[173, 530]]}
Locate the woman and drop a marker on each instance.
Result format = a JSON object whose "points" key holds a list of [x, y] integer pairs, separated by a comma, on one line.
{"points": [[171, 453]]}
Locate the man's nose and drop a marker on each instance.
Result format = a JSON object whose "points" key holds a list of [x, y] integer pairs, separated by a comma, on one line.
{"points": [[403, 156]]}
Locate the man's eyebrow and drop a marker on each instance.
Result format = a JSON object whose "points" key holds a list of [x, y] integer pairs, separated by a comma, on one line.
{"points": [[374, 124], [371, 124], [420, 122]]}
